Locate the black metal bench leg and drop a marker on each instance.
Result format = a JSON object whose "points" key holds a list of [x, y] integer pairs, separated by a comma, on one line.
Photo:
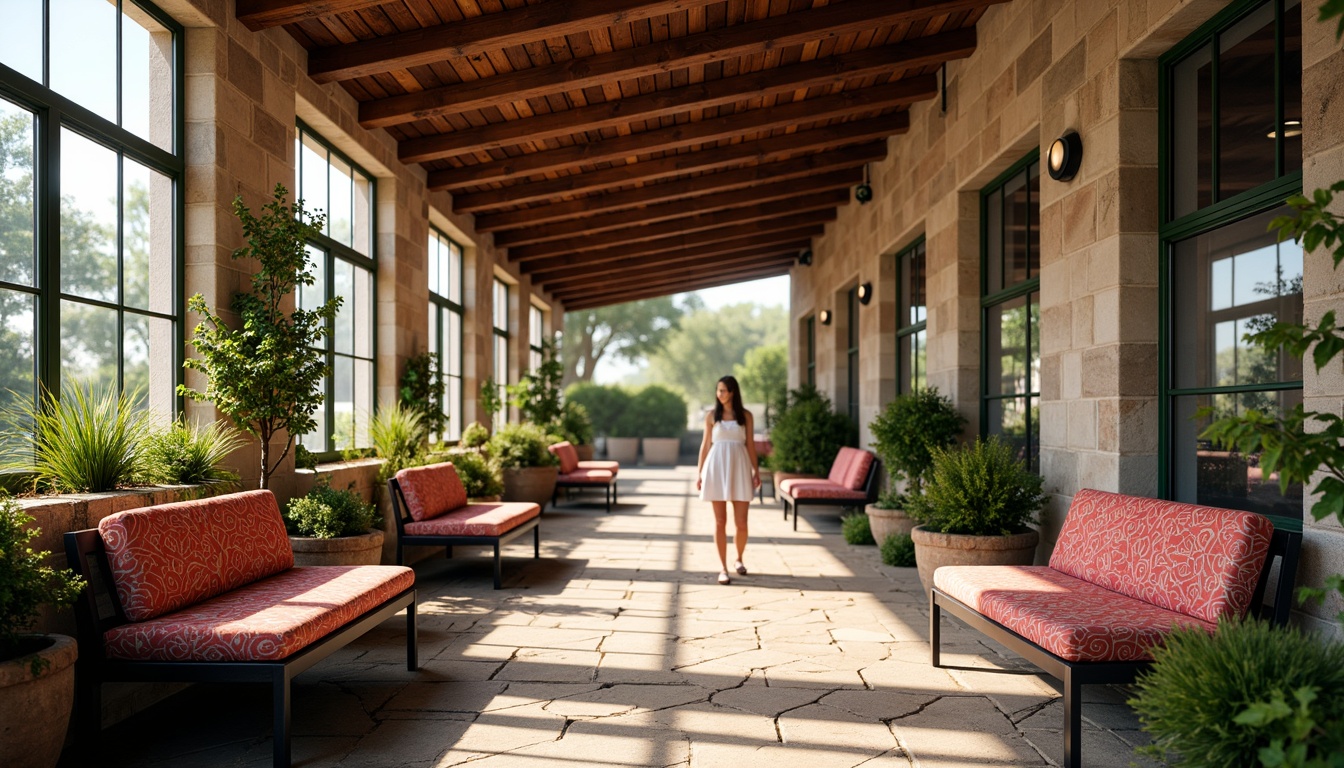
{"points": [[280, 731], [412, 641], [795, 515], [1073, 721], [608, 495], [935, 632], [499, 581]]}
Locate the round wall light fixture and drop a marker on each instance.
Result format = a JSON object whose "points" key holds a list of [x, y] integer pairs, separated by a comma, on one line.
{"points": [[805, 258], [865, 293], [864, 192], [824, 316], [1064, 156]]}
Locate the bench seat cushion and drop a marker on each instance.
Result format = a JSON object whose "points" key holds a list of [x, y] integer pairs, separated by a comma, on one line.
{"points": [[1071, 618], [264, 621], [477, 520], [614, 467], [431, 490], [804, 488], [587, 477]]}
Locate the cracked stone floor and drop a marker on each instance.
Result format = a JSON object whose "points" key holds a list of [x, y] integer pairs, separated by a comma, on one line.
{"points": [[617, 648]]}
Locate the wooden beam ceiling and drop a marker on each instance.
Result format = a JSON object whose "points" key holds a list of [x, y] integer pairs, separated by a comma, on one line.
{"points": [[677, 284], [257, 15], [617, 260], [643, 272]]}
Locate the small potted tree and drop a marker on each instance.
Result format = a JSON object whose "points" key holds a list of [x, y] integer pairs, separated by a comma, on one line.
{"points": [[976, 510], [328, 526], [658, 416], [807, 435], [577, 428], [37, 672], [903, 435], [528, 468]]}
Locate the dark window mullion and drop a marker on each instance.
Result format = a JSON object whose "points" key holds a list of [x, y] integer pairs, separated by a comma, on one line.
{"points": [[1216, 102], [47, 174]]}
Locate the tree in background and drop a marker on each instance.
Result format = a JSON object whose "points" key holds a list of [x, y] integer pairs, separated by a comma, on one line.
{"points": [[764, 378], [709, 344], [632, 331]]}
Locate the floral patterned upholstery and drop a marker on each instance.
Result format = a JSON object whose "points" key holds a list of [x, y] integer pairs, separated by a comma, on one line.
{"points": [[856, 473], [173, 555], [431, 491], [569, 458], [263, 621], [586, 477], [477, 520], [1073, 619], [805, 488], [614, 467], [1199, 561]]}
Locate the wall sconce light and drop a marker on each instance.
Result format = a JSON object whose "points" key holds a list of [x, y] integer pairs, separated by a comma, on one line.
{"points": [[805, 258], [864, 192], [865, 293], [1065, 156], [1291, 128], [825, 316]]}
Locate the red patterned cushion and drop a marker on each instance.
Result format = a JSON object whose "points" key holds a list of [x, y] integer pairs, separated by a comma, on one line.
{"points": [[1073, 619], [477, 520], [802, 488], [173, 555], [614, 467], [569, 458], [431, 491], [857, 473], [587, 477], [263, 621], [840, 467], [1200, 561]]}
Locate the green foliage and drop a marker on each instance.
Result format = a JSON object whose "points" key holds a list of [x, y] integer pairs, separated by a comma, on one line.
{"points": [[265, 374], [398, 436], [709, 344], [87, 440], [808, 434], [891, 499], [1329, 10], [605, 404], [329, 513], [537, 393], [898, 550], [518, 446], [490, 399], [26, 581], [474, 435], [188, 454], [304, 458], [979, 490], [1200, 699], [856, 529], [654, 411], [764, 378], [477, 475], [629, 331], [1296, 738], [421, 391], [575, 426], [908, 428]]}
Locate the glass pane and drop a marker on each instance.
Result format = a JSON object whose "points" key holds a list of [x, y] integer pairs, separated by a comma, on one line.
{"points": [[1192, 132], [343, 379], [83, 53], [435, 256], [147, 221], [316, 441], [918, 360], [18, 360], [1016, 220], [501, 360], [338, 218], [454, 276], [313, 179], [1208, 473], [146, 77], [452, 341], [1291, 86], [363, 235], [1246, 107], [1009, 356], [89, 342], [994, 248], [1011, 419], [18, 222], [913, 280], [312, 296], [434, 331], [344, 287], [453, 406], [21, 38], [148, 369], [363, 401], [88, 218], [363, 296], [501, 303]]}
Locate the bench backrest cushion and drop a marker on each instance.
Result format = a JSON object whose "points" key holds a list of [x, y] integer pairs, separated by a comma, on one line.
{"points": [[840, 467], [431, 491], [856, 474], [1200, 561], [568, 456], [174, 555]]}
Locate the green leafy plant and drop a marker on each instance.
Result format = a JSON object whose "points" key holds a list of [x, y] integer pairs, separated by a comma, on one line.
{"points": [[654, 411], [1296, 738], [856, 529], [891, 499], [575, 426], [490, 399], [422, 387], [906, 430], [304, 458], [764, 377], [537, 393], [86, 440], [475, 435], [477, 475], [265, 374], [808, 434], [518, 446], [605, 404], [188, 454], [329, 513], [898, 550], [979, 489], [398, 435], [26, 581], [1195, 699]]}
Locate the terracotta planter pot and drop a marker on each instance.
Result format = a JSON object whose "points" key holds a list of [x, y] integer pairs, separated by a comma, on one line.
{"points": [[365, 549], [662, 451], [534, 484], [888, 522], [623, 449], [934, 550], [35, 710], [585, 452]]}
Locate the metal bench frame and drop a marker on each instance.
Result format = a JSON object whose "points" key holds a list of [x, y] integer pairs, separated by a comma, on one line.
{"points": [[609, 487], [869, 491]]}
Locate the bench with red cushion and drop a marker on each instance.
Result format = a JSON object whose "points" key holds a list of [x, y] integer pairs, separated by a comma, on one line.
{"points": [[1125, 572], [430, 506], [852, 482], [584, 474], [207, 590]]}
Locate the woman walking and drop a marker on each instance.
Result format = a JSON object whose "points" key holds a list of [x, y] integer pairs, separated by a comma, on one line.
{"points": [[727, 471]]}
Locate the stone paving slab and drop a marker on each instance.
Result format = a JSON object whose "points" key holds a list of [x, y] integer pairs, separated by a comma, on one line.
{"points": [[618, 648]]}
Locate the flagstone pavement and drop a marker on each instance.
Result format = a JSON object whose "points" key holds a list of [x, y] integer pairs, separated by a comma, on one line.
{"points": [[617, 648]]}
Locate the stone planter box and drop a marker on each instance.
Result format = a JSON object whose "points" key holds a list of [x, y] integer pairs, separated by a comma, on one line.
{"points": [[35, 709], [888, 522], [623, 449], [365, 549], [662, 451], [934, 550], [534, 484]]}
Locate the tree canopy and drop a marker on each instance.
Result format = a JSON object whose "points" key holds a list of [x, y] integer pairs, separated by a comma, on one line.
{"points": [[632, 331], [710, 344]]}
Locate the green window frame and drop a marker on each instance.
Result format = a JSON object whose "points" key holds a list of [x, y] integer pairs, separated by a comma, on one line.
{"points": [[501, 331], [911, 318], [1213, 245], [1010, 285], [811, 341], [536, 336], [342, 260], [446, 312], [852, 353], [92, 168]]}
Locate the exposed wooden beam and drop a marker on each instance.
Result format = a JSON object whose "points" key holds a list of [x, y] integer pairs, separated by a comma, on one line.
{"points": [[675, 286], [721, 186], [257, 15], [665, 56], [910, 54], [481, 34], [578, 264], [655, 271], [687, 224], [675, 137], [761, 151]]}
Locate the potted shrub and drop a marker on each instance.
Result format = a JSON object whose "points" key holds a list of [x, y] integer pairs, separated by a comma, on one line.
{"points": [[328, 526], [529, 470], [903, 435], [807, 435], [477, 475], [976, 509], [605, 406], [37, 672], [577, 428], [658, 416]]}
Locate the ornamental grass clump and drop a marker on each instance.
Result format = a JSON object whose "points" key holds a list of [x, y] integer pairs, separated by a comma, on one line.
{"points": [[187, 454], [329, 513], [398, 436], [26, 582], [899, 550], [856, 529], [978, 490]]}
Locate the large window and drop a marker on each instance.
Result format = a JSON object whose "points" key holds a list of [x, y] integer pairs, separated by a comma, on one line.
{"points": [[1232, 151], [90, 200], [536, 338], [852, 352], [501, 347], [445, 324], [911, 319], [1010, 286], [341, 259]]}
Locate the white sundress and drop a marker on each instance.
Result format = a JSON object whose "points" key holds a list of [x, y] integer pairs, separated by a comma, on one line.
{"points": [[726, 475]]}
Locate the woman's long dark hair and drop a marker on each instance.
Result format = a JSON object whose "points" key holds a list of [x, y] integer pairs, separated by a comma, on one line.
{"points": [[738, 410]]}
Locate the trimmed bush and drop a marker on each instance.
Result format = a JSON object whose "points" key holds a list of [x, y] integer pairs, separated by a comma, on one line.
{"points": [[908, 428], [478, 477], [978, 490], [808, 434], [519, 446], [899, 550], [654, 411], [328, 513], [856, 529], [185, 454], [475, 435], [575, 425], [604, 404]]}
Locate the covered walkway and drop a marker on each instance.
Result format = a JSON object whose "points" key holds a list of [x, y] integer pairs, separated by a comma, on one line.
{"points": [[618, 649]]}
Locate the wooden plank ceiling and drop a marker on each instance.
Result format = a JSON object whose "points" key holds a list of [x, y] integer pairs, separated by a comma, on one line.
{"points": [[625, 149]]}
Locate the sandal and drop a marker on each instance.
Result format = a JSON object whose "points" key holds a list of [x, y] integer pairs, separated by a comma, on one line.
{"points": [[723, 578], [741, 569]]}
